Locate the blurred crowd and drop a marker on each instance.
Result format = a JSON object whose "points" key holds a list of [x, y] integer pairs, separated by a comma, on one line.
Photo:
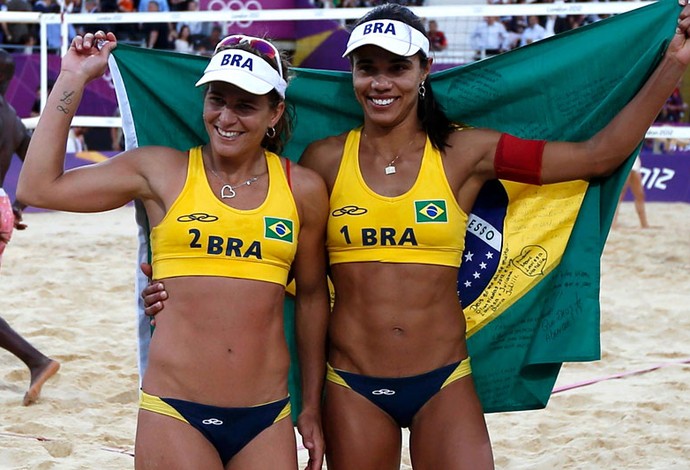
{"points": [[363, 3], [491, 36], [494, 34], [192, 37]]}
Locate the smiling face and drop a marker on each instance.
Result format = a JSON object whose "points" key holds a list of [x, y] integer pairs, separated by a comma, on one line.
{"points": [[387, 85], [236, 120]]}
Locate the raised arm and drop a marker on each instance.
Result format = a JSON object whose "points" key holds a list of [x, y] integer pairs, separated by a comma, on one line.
{"points": [[607, 149], [597, 156], [311, 306], [43, 181]]}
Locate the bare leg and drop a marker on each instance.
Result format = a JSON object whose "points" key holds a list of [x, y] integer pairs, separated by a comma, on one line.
{"points": [[635, 180], [358, 434], [274, 448], [614, 224], [165, 442], [40, 366], [449, 432]]}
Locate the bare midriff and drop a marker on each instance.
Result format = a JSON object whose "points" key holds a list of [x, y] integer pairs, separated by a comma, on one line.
{"points": [[395, 320], [219, 341]]}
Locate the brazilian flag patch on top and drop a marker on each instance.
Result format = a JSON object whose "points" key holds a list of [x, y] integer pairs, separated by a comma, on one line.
{"points": [[278, 229], [430, 211]]}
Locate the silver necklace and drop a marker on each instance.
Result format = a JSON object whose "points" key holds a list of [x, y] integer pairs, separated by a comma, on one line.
{"points": [[390, 168], [228, 191]]}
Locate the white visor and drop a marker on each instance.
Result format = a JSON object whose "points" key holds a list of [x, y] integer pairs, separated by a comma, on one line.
{"points": [[244, 70], [394, 36]]}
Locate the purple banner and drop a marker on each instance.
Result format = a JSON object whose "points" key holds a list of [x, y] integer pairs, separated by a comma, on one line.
{"points": [[99, 97], [71, 161], [272, 29], [665, 177]]}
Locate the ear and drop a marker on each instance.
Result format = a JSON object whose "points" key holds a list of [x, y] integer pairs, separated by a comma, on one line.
{"points": [[277, 113], [427, 70]]}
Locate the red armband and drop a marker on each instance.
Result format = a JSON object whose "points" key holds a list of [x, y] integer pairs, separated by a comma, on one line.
{"points": [[519, 159]]}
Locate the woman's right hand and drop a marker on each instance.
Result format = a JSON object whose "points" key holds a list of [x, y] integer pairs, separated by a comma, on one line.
{"points": [[154, 294]]}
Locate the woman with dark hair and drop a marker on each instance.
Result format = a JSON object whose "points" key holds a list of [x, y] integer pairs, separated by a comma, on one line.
{"points": [[230, 220], [401, 187]]}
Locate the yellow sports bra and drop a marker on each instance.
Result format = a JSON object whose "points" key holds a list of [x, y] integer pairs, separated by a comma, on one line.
{"points": [[202, 236], [425, 225]]}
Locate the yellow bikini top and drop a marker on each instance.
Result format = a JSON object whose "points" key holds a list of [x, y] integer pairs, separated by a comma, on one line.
{"points": [[202, 236], [425, 225]]}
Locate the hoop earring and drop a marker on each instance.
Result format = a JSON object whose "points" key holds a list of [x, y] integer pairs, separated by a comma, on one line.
{"points": [[422, 91], [271, 132]]}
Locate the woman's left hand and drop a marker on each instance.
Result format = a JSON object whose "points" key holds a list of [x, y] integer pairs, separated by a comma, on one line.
{"points": [[679, 48], [88, 55]]}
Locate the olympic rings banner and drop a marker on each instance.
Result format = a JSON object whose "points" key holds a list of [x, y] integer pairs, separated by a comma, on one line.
{"points": [[274, 29]]}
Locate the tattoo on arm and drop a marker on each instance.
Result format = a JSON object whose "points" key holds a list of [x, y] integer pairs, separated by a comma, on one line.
{"points": [[66, 99]]}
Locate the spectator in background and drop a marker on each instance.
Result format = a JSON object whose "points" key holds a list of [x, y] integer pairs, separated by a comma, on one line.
{"points": [[76, 140], [208, 44], [489, 38], [123, 31], [534, 31], [515, 26], [14, 139], [90, 7], [634, 183], [126, 6], [162, 5], [183, 42], [157, 35], [674, 108], [437, 39], [17, 33], [178, 5], [672, 113], [197, 29], [36, 107], [568, 22]]}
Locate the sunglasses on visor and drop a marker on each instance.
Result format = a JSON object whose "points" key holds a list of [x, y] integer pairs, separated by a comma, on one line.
{"points": [[258, 44]]}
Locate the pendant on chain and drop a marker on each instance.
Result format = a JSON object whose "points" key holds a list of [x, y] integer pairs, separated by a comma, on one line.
{"points": [[230, 192]]}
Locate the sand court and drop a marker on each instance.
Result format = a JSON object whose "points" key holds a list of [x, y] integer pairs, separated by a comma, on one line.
{"points": [[67, 285]]}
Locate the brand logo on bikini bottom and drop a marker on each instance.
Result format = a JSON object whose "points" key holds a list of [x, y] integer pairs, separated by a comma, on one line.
{"points": [[214, 421], [383, 391]]}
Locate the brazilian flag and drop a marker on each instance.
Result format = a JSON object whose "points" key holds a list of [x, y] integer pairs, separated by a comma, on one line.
{"points": [[529, 282]]}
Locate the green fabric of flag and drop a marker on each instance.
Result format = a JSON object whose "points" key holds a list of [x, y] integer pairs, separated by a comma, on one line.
{"points": [[540, 307]]}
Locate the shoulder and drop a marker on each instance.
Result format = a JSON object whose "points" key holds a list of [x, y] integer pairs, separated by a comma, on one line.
{"points": [[330, 148], [323, 156], [153, 160], [468, 147], [468, 139], [306, 183], [309, 191], [155, 152]]}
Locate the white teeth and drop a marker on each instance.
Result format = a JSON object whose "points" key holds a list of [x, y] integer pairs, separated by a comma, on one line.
{"points": [[227, 134], [379, 102]]}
